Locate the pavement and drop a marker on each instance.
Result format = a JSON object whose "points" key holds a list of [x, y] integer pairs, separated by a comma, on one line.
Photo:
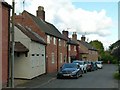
{"points": [[35, 82]]}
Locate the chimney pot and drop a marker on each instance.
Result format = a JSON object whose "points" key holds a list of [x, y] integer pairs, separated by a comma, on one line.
{"points": [[65, 33], [41, 13]]}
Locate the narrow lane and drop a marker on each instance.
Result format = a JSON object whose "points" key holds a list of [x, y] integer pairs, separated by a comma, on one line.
{"points": [[102, 78]]}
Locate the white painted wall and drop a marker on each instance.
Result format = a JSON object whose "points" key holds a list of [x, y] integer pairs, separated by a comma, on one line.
{"points": [[0, 46], [30, 66], [38, 60]]}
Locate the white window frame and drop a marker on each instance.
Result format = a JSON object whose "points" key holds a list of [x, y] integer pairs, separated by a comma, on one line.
{"points": [[53, 58], [74, 48], [59, 42], [64, 44], [48, 39], [54, 40]]}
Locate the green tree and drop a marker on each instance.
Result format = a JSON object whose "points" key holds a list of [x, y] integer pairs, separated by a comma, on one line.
{"points": [[99, 46]]}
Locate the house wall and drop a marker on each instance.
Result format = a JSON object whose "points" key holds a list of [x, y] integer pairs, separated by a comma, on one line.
{"points": [[26, 20], [0, 47], [93, 55], [30, 66], [62, 53], [50, 48], [83, 48], [38, 63], [5, 23]]}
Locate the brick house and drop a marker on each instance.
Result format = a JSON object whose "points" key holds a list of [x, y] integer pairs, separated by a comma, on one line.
{"points": [[5, 41], [72, 46], [56, 51], [29, 53], [87, 51]]}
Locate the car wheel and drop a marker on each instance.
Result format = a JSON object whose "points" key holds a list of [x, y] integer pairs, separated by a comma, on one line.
{"points": [[77, 76]]}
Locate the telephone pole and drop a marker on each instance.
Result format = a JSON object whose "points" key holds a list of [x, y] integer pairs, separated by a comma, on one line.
{"points": [[13, 44]]}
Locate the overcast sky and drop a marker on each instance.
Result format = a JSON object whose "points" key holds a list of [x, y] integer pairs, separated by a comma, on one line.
{"points": [[96, 19]]}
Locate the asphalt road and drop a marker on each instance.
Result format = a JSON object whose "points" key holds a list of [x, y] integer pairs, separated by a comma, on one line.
{"points": [[102, 78]]}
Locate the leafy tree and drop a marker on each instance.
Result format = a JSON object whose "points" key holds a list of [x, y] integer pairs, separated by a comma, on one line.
{"points": [[99, 46]]}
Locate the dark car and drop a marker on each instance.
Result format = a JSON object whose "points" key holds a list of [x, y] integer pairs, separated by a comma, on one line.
{"points": [[70, 70], [95, 65], [90, 66]]}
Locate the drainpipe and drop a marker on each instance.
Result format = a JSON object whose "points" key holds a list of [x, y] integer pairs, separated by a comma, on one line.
{"points": [[57, 54], [8, 81], [67, 53]]}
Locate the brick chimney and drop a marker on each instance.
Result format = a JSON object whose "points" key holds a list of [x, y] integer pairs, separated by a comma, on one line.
{"points": [[74, 36], [41, 13], [83, 38], [65, 33]]}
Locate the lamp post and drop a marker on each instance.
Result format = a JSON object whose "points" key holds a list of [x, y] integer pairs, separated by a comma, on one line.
{"points": [[13, 43]]}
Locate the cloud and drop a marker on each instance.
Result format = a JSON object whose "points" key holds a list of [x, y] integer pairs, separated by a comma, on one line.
{"points": [[63, 14]]}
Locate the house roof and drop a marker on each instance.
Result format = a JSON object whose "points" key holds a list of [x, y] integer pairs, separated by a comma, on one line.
{"points": [[72, 42], [32, 35], [87, 45], [47, 27], [55, 31], [6, 4], [19, 47], [82, 51]]}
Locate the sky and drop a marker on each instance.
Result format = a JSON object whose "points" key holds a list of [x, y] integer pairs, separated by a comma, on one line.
{"points": [[96, 19]]}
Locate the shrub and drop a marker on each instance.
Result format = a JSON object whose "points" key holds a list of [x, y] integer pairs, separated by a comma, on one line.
{"points": [[117, 76]]}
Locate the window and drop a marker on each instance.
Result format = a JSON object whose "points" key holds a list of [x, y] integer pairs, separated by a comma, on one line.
{"points": [[53, 59], [69, 47], [74, 48], [37, 54], [59, 42], [64, 44], [33, 54], [60, 57], [54, 41], [48, 39]]}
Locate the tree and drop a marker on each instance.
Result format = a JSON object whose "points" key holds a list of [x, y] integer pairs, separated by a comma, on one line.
{"points": [[99, 46]]}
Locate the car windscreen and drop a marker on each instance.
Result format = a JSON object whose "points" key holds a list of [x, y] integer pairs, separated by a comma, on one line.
{"points": [[69, 66], [99, 62], [80, 63]]}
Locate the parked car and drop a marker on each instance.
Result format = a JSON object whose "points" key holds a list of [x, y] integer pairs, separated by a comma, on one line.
{"points": [[70, 70], [82, 64], [95, 65], [90, 66], [99, 64]]}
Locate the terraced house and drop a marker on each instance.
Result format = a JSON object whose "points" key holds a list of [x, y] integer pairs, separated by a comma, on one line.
{"points": [[29, 53], [72, 46], [56, 51], [87, 51]]}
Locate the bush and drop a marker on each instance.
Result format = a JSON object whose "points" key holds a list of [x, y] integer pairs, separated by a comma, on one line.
{"points": [[117, 76]]}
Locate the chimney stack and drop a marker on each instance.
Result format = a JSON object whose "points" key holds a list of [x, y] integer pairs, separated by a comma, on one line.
{"points": [[74, 36], [41, 13], [65, 33], [83, 38]]}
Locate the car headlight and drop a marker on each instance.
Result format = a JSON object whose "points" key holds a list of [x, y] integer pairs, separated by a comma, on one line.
{"points": [[73, 72]]}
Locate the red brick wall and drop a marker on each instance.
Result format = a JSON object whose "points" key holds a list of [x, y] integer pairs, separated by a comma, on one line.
{"points": [[51, 48], [72, 51], [26, 20], [63, 50], [5, 15]]}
